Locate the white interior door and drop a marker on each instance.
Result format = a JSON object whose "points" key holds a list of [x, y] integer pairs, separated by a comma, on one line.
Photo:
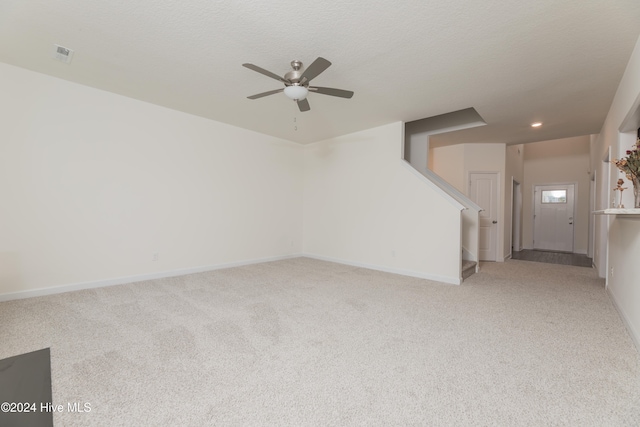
{"points": [[553, 217], [483, 190]]}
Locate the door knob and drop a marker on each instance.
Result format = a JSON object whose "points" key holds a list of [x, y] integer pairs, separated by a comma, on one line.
{"points": [[495, 222]]}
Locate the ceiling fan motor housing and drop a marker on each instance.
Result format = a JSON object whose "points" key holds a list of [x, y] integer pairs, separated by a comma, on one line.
{"points": [[294, 75]]}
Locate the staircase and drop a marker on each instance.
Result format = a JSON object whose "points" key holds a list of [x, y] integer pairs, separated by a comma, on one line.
{"points": [[416, 154], [468, 268]]}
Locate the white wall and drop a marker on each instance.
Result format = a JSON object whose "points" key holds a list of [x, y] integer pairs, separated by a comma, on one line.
{"points": [[416, 150], [363, 205], [623, 242], [624, 283], [448, 163], [484, 158], [93, 184], [558, 161]]}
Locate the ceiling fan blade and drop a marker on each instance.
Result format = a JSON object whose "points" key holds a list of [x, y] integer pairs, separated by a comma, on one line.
{"points": [[313, 70], [265, 72], [260, 95], [303, 105], [331, 91]]}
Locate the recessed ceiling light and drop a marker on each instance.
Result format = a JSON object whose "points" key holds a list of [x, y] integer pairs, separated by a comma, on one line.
{"points": [[536, 124]]}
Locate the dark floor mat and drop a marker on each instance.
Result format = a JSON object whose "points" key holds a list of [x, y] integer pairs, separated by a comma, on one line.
{"points": [[551, 257], [25, 390]]}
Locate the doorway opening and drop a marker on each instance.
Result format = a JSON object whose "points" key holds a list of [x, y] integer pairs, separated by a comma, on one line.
{"points": [[516, 216]]}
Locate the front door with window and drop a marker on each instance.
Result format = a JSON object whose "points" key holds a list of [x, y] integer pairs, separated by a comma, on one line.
{"points": [[553, 217]]}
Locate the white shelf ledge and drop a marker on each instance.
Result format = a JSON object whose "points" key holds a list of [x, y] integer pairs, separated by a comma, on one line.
{"points": [[635, 211]]}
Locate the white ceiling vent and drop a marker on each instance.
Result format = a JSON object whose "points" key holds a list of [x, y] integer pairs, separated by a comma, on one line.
{"points": [[62, 54]]}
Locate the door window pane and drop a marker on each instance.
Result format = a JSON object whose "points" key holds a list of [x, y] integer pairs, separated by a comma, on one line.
{"points": [[554, 196]]}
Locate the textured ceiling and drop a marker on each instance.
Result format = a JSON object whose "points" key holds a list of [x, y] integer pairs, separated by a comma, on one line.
{"points": [[558, 62]]}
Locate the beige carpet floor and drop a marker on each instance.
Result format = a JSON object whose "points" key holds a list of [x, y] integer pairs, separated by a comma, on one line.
{"points": [[304, 342]]}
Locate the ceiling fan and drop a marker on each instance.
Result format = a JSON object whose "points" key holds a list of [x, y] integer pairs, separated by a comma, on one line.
{"points": [[296, 82]]}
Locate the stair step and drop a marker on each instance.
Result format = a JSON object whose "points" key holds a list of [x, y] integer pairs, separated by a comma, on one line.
{"points": [[468, 268]]}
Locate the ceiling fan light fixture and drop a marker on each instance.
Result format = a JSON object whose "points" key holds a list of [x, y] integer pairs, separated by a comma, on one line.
{"points": [[296, 92], [296, 83]]}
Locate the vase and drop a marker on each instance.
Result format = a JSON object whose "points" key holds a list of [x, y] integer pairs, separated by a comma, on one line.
{"points": [[636, 191]]}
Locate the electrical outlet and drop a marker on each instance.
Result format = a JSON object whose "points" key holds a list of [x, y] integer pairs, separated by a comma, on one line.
{"points": [[611, 271], [155, 257]]}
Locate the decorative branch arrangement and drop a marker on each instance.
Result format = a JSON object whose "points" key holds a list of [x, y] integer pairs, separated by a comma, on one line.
{"points": [[630, 166]]}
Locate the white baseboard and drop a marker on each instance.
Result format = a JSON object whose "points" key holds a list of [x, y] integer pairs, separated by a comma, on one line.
{"points": [[402, 272], [635, 336], [137, 278]]}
